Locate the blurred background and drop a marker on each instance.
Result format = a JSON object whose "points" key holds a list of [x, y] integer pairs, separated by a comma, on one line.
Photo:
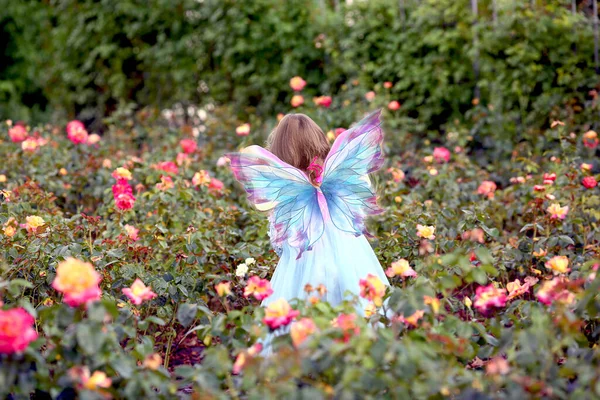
{"points": [[501, 69]]}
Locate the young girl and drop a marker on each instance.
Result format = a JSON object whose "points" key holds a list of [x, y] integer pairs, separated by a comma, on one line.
{"points": [[317, 198]]}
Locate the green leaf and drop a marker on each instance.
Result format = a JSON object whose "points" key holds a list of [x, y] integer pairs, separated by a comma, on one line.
{"points": [[89, 338], [186, 314]]}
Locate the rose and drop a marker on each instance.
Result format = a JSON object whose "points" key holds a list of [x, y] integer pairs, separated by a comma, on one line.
{"points": [[373, 289], [138, 292], [259, 288], [441, 154], [297, 83], [188, 145], [297, 101], [16, 330], [279, 313], [77, 281], [393, 105], [17, 133]]}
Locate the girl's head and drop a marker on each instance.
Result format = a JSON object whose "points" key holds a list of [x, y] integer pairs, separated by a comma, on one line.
{"points": [[297, 140]]}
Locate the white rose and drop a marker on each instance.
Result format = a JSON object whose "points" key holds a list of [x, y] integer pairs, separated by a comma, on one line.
{"points": [[250, 261], [241, 270]]}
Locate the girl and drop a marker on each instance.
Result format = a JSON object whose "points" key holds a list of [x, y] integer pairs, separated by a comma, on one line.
{"points": [[317, 198]]}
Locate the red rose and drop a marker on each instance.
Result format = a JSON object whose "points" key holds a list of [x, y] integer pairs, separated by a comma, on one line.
{"points": [[589, 182]]}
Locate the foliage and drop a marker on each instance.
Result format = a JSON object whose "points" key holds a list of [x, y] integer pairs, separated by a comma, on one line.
{"points": [[90, 58], [435, 337]]}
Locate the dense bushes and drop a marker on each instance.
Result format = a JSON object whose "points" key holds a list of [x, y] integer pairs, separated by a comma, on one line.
{"points": [[87, 58], [503, 305]]}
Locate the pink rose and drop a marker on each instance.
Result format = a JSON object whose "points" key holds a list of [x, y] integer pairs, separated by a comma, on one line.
{"points": [[76, 132], [323, 101], [167, 166], [17, 133], [589, 182], [215, 185], [188, 145], [124, 201], [16, 330], [297, 83], [394, 105], [441, 154]]}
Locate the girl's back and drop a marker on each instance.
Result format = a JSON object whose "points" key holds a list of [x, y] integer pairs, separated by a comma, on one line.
{"points": [[317, 214]]}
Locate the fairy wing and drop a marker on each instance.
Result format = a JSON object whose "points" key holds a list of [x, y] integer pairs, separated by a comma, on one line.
{"points": [[285, 192], [346, 184]]}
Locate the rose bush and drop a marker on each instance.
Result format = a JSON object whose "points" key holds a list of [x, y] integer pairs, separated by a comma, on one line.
{"points": [[493, 264]]}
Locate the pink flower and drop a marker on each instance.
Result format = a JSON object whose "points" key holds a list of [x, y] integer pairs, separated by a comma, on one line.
{"points": [[590, 139], [323, 101], [215, 185], [413, 319], [242, 358], [188, 145], [339, 131], [297, 83], [347, 323], [201, 178], [441, 154], [181, 159], [78, 281], [138, 292], [30, 144], [243, 130], [397, 174], [259, 288], [393, 105], [166, 183], [279, 313], [373, 289], [76, 132], [487, 188], [301, 330], [167, 166], [132, 232], [223, 161], [400, 268], [297, 101], [549, 178], [93, 139], [515, 288], [489, 296], [121, 187], [17, 133], [370, 96], [553, 290], [557, 212], [16, 330], [74, 125], [388, 85], [589, 182], [124, 201]]}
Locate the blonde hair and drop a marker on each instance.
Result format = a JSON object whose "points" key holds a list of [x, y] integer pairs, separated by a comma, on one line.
{"points": [[297, 140]]}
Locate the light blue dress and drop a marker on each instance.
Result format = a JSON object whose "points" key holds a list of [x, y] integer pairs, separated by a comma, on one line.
{"points": [[338, 260]]}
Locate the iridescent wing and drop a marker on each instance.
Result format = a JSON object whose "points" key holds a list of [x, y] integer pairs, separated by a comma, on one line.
{"points": [[284, 191], [346, 184]]}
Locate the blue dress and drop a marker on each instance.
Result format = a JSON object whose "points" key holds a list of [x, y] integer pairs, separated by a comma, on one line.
{"points": [[319, 231], [338, 260]]}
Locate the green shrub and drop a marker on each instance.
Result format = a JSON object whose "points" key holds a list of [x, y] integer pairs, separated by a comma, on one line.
{"points": [[434, 340]]}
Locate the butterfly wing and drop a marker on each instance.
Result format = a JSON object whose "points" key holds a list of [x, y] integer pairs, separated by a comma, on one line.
{"points": [[285, 192], [346, 184]]}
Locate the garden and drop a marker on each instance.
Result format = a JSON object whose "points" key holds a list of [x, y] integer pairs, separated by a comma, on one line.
{"points": [[133, 265]]}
